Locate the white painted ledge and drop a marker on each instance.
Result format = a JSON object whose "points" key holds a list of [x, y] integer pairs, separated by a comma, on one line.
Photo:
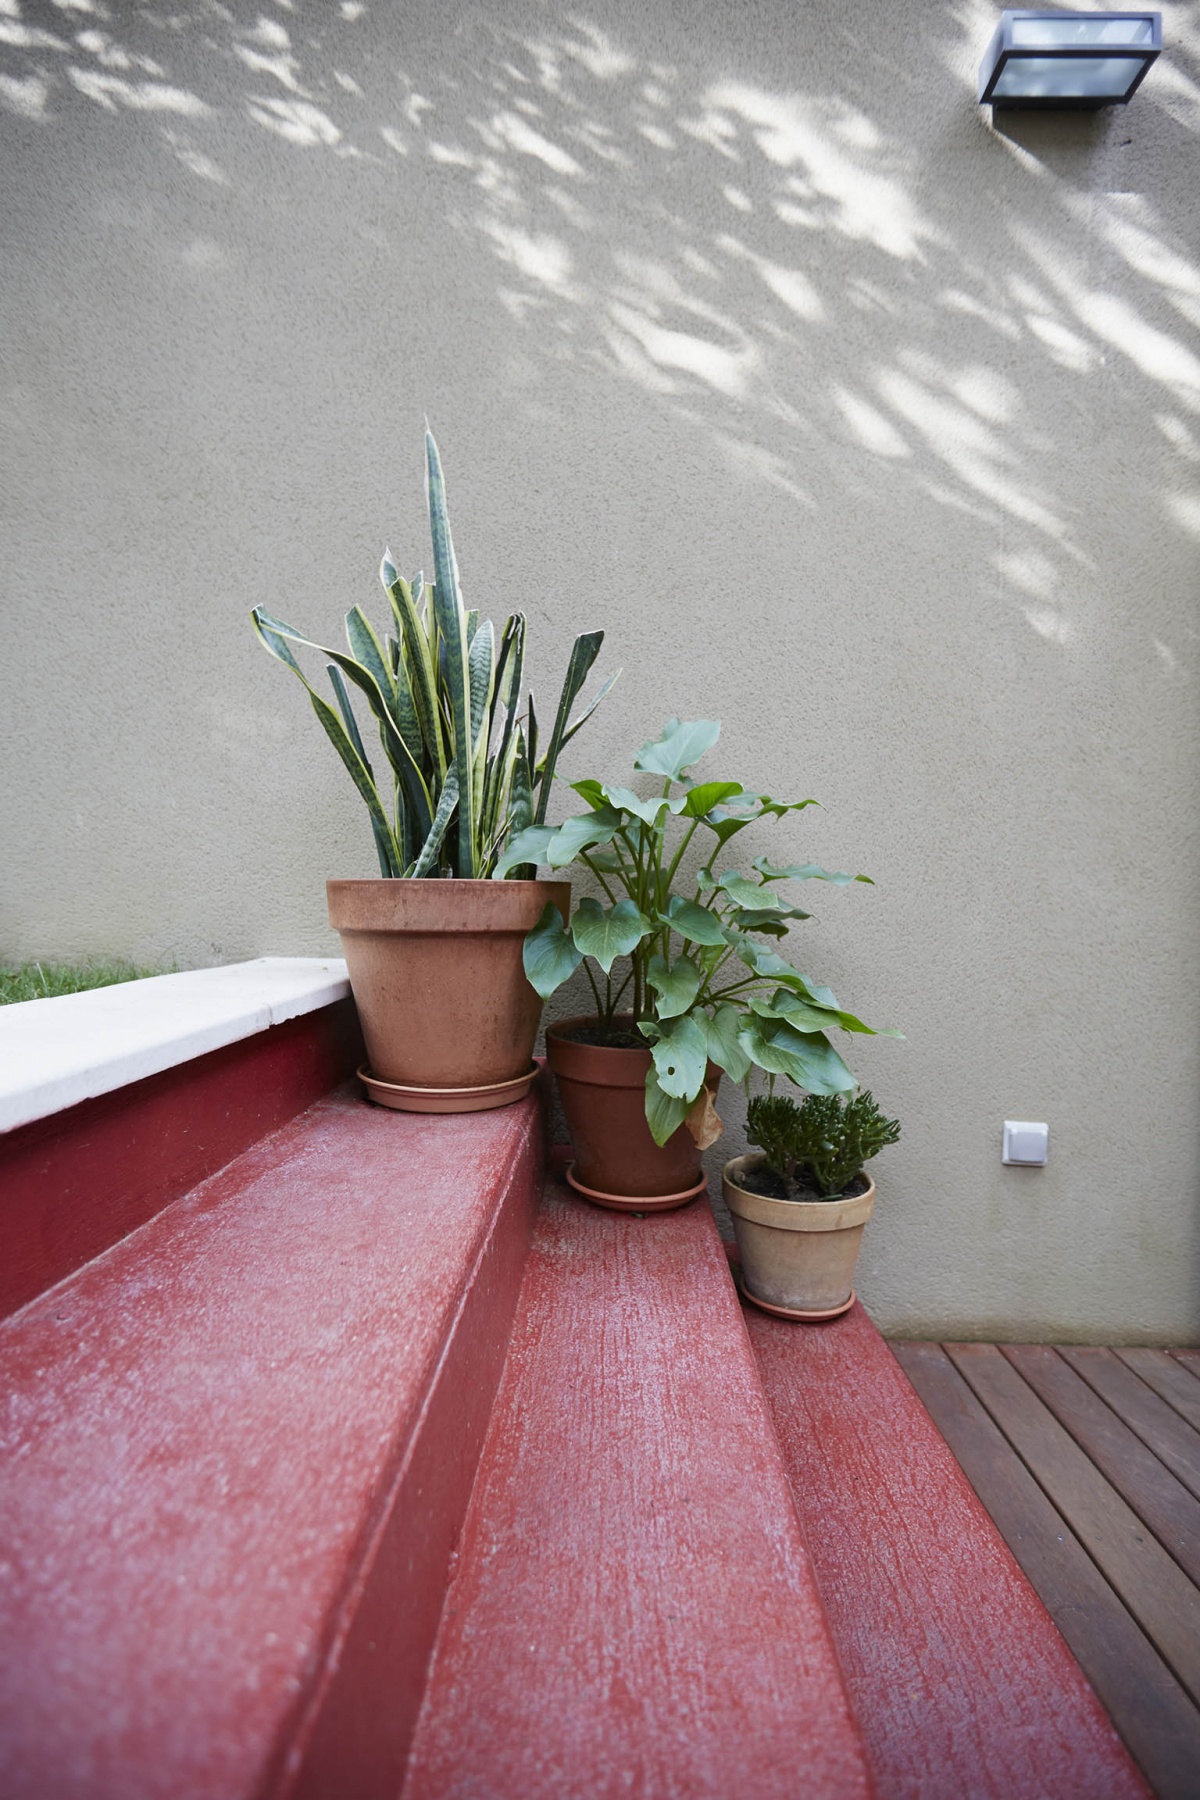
{"points": [[54, 1053]]}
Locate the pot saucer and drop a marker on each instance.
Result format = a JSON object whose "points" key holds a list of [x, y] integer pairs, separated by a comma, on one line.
{"points": [[635, 1203], [788, 1312], [446, 1100]]}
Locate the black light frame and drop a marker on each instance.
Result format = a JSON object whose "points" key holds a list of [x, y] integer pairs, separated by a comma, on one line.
{"points": [[1001, 52]]}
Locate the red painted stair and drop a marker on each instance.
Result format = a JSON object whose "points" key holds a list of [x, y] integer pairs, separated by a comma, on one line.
{"points": [[238, 1447], [959, 1676], [633, 1610]]}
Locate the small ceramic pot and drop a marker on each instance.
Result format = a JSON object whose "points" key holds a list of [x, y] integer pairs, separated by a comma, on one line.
{"points": [[438, 978], [797, 1256], [617, 1162]]}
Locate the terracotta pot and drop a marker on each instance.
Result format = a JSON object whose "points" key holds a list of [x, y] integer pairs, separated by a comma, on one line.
{"points": [[438, 980], [617, 1162], [797, 1256]]}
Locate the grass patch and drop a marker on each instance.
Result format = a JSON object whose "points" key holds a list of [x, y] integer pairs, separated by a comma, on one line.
{"points": [[43, 981]]}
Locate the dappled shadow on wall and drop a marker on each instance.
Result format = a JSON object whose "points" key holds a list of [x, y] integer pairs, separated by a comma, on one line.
{"points": [[846, 306]]}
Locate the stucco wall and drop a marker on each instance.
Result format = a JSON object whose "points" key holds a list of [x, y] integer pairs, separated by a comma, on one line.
{"points": [[860, 425]]}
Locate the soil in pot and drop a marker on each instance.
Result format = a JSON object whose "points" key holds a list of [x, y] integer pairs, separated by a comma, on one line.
{"points": [[774, 1187], [603, 1089]]}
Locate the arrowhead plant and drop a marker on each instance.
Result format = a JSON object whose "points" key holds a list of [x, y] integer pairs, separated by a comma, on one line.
{"points": [[694, 972], [444, 689]]}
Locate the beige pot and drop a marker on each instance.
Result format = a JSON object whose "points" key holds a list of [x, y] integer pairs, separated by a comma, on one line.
{"points": [[797, 1256], [438, 978]]}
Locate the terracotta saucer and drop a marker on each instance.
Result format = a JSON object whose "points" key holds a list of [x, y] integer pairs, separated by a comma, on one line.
{"points": [[787, 1312], [635, 1203], [446, 1100]]}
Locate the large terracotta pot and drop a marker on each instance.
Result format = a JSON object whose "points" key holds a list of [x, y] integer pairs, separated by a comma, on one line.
{"points": [[797, 1256], [617, 1162], [440, 986]]}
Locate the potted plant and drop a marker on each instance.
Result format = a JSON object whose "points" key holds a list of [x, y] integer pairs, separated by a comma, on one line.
{"points": [[696, 991], [801, 1202], [434, 947]]}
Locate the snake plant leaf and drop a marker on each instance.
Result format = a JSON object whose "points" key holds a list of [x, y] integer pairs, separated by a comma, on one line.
{"points": [[701, 799], [696, 923], [681, 1059], [584, 652], [366, 648], [807, 1058], [723, 1045], [419, 666], [531, 737], [676, 985], [452, 630], [549, 955], [437, 831], [528, 846], [680, 744], [628, 801], [605, 935], [581, 719], [481, 665], [580, 833], [804, 872], [384, 842], [665, 1113]]}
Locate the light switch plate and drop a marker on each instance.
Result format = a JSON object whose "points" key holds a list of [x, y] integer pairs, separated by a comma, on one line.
{"points": [[1025, 1143]]}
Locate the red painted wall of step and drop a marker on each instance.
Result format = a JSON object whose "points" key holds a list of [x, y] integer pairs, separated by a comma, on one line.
{"points": [[75, 1183], [238, 1450]]}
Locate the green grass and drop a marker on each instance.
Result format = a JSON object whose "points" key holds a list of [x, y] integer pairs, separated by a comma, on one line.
{"points": [[41, 981]]}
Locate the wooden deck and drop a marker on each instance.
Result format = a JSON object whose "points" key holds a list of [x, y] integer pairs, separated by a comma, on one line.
{"points": [[1088, 1460]]}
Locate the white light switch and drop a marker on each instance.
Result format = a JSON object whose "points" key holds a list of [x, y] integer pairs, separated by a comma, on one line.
{"points": [[1025, 1142]]}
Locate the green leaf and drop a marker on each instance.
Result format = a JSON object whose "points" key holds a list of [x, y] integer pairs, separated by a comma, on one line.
{"points": [[607, 935], [628, 801], [804, 872], [665, 1113], [723, 1045], [385, 844], [528, 846], [584, 652], [437, 831], [580, 833], [750, 893], [676, 986], [549, 955], [806, 1015], [772, 919], [681, 1059], [604, 859], [807, 1058], [680, 745], [452, 629], [693, 922], [706, 794], [592, 792]]}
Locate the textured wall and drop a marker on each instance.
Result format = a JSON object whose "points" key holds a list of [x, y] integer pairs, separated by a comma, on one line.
{"points": [[860, 425]]}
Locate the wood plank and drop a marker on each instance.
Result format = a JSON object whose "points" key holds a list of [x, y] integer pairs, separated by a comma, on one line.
{"points": [[1147, 1705], [1158, 1425], [1151, 1583], [1166, 1506], [1189, 1358], [961, 1681], [1170, 1381]]}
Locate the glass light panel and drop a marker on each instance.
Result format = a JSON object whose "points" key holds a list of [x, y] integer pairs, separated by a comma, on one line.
{"points": [[1066, 78], [1065, 34]]}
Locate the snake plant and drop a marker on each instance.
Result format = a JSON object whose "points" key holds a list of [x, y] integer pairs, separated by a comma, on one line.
{"points": [[445, 694]]}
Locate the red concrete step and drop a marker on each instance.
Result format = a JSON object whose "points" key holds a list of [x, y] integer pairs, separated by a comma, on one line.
{"points": [[959, 1677], [633, 1610], [237, 1450]]}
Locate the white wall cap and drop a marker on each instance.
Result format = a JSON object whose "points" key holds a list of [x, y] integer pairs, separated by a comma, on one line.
{"points": [[54, 1053]]}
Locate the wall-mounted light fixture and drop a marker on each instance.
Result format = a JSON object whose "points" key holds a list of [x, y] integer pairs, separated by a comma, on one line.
{"points": [[1068, 59]]}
